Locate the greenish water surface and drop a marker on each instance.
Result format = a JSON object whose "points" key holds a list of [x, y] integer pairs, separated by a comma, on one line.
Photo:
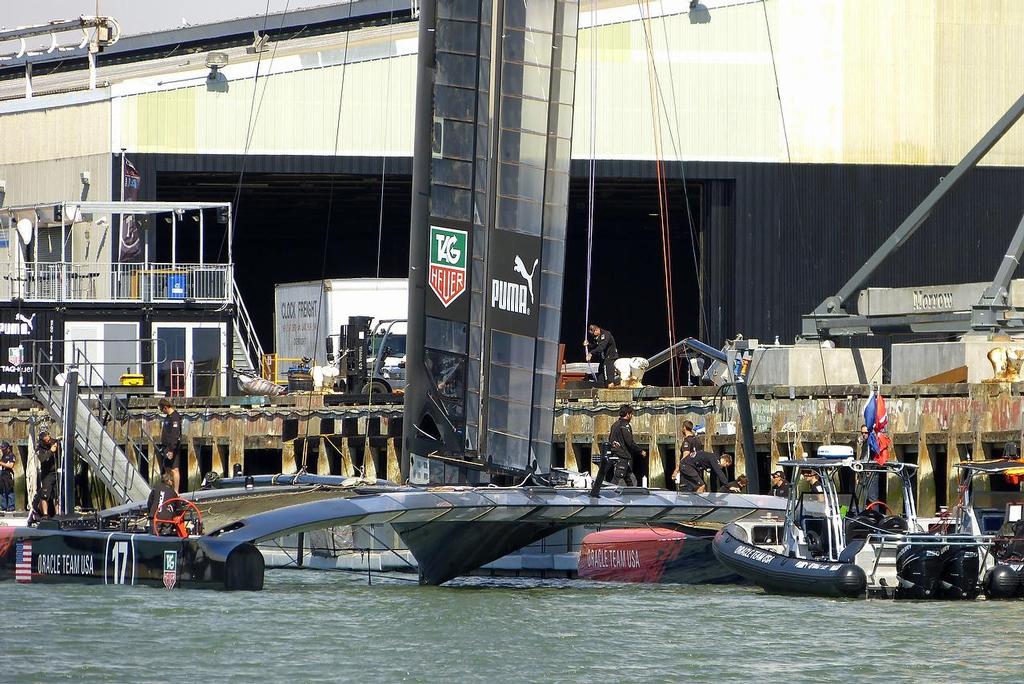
{"points": [[332, 626]]}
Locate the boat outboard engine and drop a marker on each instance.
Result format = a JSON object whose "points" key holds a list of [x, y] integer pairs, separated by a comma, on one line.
{"points": [[919, 569], [960, 570]]}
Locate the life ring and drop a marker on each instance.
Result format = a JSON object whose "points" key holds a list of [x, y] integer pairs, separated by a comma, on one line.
{"points": [[189, 516], [888, 511]]}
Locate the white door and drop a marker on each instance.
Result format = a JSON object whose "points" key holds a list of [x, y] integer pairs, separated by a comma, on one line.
{"points": [[199, 350]]}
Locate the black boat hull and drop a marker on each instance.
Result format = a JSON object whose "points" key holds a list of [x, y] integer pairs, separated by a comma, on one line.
{"points": [[52, 556], [777, 573]]}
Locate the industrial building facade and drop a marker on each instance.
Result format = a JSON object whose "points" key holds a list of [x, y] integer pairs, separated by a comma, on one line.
{"points": [[795, 136]]}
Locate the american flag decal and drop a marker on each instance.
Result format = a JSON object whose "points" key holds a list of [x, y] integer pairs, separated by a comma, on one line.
{"points": [[23, 561]]}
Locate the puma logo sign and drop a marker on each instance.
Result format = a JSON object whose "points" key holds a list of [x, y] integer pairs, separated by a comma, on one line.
{"points": [[514, 297], [520, 268]]}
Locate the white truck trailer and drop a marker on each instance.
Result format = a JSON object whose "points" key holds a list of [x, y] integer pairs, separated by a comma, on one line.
{"points": [[307, 313]]}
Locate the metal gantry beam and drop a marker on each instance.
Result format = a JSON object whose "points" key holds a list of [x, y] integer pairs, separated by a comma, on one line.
{"points": [[834, 307]]}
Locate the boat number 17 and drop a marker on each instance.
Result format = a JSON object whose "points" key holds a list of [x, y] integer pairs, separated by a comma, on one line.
{"points": [[119, 557]]}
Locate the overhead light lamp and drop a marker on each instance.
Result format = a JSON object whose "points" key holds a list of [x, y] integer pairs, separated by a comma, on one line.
{"points": [[215, 61]]}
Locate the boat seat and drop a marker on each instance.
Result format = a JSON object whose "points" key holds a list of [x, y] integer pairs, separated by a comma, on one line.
{"points": [[863, 524], [851, 550]]}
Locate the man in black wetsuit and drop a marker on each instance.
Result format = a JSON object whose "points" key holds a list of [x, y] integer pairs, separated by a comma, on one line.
{"points": [[48, 453], [691, 445], [162, 493], [624, 448], [170, 442], [603, 344], [779, 485], [692, 469], [6, 477]]}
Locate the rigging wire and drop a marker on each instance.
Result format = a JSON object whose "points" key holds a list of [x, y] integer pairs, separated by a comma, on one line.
{"points": [[592, 167], [789, 164], [384, 156], [666, 251], [330, 213]]}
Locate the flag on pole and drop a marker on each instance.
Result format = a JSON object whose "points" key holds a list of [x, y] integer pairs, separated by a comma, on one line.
{"points": [[877, 420]]}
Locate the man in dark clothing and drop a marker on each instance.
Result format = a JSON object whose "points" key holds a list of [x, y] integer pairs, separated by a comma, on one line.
{"points": [[691, 445], [161, 494], [813, 481], [779, 485], [738, 486], [624, 448], [48, 453], [604, 345], [170, 442], [6, 477], [692, 469]]}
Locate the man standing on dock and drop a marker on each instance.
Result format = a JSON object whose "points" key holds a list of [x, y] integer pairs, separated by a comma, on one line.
{"points": [[170, 442], [48, 453], [6, 477], [624, 448], [604, 344], [691, 445]]}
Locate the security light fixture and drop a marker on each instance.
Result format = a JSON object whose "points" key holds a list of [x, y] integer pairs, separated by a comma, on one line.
{"points": [[216, 61], [694, 3]]}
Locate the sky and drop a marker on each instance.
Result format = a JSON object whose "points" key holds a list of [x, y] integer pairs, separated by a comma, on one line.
{"points": [[144, 16]]}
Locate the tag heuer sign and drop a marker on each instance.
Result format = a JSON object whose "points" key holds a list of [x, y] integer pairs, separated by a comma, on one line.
{"points": [[447, 273]]}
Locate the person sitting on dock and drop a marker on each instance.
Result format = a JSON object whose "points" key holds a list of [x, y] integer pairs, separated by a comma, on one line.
{"points": [[161, 494], [693, 467], [624, 448], [813, 481], [170, 441], [48, 453], [6, 477], [780, 487]]}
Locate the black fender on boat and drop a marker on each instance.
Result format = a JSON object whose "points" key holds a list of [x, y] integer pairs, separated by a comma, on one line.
{"points": [[777, 573], [1004, 580]]}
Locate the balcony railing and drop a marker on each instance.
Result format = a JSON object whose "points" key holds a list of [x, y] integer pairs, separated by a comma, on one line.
{"points": [[120, 282]]}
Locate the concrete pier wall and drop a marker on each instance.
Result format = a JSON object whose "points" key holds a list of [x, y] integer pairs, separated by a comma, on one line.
{"points": [[933, 426]]}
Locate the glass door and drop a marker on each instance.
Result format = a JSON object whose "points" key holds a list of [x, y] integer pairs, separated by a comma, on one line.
{"points": [[190, 356]]}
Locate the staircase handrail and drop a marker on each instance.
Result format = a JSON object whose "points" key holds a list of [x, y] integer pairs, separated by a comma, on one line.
{"points": [[247, 332]]}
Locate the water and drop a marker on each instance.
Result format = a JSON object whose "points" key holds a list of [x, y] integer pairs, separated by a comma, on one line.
{"points": [[330, 626]]}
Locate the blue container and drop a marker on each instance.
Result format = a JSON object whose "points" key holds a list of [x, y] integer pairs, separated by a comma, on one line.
{"points": [[176, 286]]}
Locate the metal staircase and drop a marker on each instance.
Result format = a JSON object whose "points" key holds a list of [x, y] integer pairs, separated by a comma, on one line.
{"points": [[92, 441], [246, 350]]}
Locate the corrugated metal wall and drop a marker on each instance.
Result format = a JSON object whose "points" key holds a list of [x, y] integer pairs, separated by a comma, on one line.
{"points": [[56, 179], [55, 133], [297, 113], [861, 81]]}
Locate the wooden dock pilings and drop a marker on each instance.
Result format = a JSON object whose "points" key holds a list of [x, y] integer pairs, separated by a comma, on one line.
{"points": [[934, 426]]}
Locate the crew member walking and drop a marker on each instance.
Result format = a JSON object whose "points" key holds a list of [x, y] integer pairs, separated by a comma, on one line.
{"points": [[693, 467], [6, 477], [624, 448], [691, 445], [170, 442], [48, 453], [604, 345]]}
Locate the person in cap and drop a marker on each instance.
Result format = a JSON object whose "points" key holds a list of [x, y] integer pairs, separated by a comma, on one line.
{"points": [[780, 487], [6, 477], [48, 453], [624, 448], [604, 346], [170, 442], [813, 481]]}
